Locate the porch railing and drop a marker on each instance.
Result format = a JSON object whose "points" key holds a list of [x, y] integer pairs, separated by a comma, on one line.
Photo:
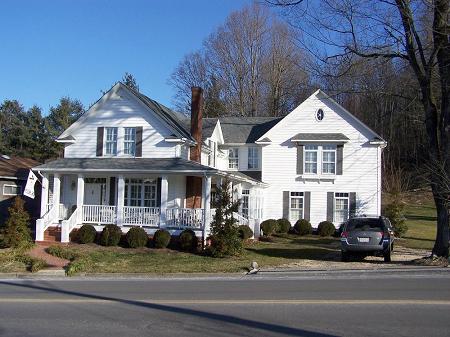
{"points": [[242, 220], [140, 216], [63, 211], [185, 217], [99, 214]]}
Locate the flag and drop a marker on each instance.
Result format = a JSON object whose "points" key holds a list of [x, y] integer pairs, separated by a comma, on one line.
{"points": [[29, 187]]}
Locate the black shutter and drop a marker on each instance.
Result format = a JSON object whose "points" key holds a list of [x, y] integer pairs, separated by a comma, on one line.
{"points": [[352, 202], [139, 141], [330, 206], [158, 193], [112, 191], [300, 159], [339, 159], [307, 206], [286, 204], [100, 131]]}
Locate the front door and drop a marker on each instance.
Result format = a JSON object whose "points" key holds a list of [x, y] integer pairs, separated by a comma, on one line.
{"points": [[95, 194]]}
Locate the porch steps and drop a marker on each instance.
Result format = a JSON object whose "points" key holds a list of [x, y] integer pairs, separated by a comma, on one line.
{"points": [[52, 234]]}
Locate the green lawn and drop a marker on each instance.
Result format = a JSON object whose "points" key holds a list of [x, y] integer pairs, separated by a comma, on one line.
{"points": [[97, 259], [421, 221]]}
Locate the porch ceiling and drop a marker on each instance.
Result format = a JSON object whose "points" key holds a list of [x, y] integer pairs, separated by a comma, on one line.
{"points": [[126, 165]]}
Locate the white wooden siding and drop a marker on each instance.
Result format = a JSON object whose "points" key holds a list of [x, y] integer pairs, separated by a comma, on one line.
{"points": [[120, 110], [360, 163]]}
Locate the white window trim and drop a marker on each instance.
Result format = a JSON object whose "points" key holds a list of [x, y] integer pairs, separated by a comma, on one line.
{"points": [[317, 160], [235, 158], [320, 151], [303, 204], [15, 186], [254, 150], [322, 162], [125, 141], [105, 142], [341, 198]]}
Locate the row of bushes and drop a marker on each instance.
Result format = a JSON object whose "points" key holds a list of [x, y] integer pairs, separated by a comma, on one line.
{"points": [[136, 237], [301, 227]]}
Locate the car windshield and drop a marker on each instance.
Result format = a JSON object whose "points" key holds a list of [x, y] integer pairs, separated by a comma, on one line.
{"points": [[374, 225]]}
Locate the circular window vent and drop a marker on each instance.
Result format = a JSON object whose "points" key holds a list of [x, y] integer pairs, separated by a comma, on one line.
{"points": [[320, 115]]}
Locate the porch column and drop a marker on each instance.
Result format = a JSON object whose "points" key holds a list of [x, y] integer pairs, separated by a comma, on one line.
{"points": [[207, 207], [164, 197], [56, 193], [44, 195], [120, 199], [80, 198]]}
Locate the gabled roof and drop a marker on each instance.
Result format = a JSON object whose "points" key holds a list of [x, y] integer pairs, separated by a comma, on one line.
{"points": [[16, 167], [240, 130], [173, 120]]}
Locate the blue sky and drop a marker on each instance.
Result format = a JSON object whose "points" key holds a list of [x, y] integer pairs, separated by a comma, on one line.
{"points": [[76, 48]]}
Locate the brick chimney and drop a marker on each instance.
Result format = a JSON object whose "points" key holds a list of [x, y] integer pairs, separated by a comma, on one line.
{"points": [[194, 184], [196, 122]]}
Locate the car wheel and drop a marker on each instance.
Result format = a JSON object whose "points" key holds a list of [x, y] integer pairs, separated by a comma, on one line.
{"points": [[344, 256]]}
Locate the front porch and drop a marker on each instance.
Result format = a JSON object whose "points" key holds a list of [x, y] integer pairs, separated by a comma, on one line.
{"points": [[148, 201]]}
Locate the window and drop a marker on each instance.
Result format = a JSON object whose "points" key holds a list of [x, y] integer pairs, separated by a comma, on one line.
{"points": [[296, 203], [12, 190], [341, 207], [245, 202], [141, 193], [233, 158], [311, 159], [111, 141], [329, 159], [253, 158], [129, 141], [212, 155], [320, 115]]}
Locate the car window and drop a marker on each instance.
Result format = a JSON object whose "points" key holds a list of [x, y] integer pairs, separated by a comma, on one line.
{"points": [[374, 225]]}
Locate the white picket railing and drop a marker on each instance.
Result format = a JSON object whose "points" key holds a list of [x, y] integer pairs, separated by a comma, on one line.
{"points": [[63, 211], [242, 220], [140, 216], [68, 225], [99, 214], [185, 217]]}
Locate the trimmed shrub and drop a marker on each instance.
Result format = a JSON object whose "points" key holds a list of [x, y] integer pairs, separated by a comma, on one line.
{"points": [[136, 237], [62, 252], [245, 232], [161, 238], [110, 235], [303, 227], [15, 231], [86, 234], [283, 226], [326, 228], [188, 240], [268, 227]]}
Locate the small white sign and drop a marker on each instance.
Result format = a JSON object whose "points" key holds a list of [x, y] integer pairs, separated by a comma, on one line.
{"points": [[29, 187]]}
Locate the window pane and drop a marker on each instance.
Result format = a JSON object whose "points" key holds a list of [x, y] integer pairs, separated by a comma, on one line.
{"points": [[111, 141], [233, 158]]}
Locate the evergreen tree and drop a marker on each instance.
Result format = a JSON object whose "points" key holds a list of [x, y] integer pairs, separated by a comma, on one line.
{"points": [[225, 239], [130, 81], [16, 231]]}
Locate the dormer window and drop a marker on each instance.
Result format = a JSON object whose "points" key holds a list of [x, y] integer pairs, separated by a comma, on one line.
{"points": [[111, 142], [129, 142], [253, 158]]}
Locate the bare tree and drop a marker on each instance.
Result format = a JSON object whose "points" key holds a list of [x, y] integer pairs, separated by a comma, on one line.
{"points": [[250, 66], [400, 30]]}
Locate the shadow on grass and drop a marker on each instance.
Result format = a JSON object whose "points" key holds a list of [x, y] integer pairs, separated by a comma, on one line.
{"points": [[252, 325], [417, 239], [296, 254], [420, 217]]}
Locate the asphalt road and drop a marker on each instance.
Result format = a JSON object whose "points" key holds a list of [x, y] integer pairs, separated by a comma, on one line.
{"points": [[331, 304]]}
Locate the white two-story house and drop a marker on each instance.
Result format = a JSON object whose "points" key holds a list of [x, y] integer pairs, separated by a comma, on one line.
{"points": [[131, 161]]}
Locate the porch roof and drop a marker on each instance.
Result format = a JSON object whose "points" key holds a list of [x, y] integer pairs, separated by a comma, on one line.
{"points": [[125, 165]]}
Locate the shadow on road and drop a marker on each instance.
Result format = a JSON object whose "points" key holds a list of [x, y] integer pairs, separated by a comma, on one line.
{"points": [[245, 323]]}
